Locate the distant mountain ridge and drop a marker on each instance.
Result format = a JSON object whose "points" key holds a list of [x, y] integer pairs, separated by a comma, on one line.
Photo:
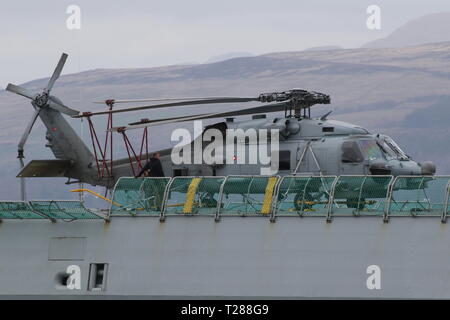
{"points": [[430, 28], [228, 56], [323, 48]]}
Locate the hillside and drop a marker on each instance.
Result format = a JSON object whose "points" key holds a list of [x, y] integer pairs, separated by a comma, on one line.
{"points": [[430, 28], [403, 92]]}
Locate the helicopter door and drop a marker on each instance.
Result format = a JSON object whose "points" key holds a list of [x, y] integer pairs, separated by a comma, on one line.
{"points": [[352, 159]]}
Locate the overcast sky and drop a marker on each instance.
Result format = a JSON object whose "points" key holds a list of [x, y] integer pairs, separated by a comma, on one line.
{"points": [[139, 33]]}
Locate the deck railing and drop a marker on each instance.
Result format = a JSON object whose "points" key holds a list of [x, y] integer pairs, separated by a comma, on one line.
{"points": [[275, 196], [256, 196]]}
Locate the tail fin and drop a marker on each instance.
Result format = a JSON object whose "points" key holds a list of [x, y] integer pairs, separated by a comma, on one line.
{"points": [[66, 145]]}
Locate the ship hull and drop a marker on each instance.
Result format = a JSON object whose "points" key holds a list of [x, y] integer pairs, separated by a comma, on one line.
{"points": [[195, 257]]}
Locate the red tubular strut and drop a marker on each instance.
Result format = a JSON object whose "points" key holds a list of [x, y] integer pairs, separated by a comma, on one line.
{"points": [[91, 130], [109, 136], [103, 170], [130, 148], [144, 142], [95, 143]]}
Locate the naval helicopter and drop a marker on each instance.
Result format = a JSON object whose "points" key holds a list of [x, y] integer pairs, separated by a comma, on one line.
{"points": [[306, 145]]}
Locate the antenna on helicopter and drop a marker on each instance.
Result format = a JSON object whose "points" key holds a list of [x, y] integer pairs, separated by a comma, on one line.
{"points": [[325, 116]]}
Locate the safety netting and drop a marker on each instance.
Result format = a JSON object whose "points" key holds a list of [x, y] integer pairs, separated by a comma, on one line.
{"points": [[48, 209], [419, 196], [64, 209], [138, 196], [360, 195], [193, 195], [255, 196], [18, 210], [303, 195], [247, 195]]}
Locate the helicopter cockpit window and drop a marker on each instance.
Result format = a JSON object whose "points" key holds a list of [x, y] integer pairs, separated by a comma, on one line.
{"points": [[370, 149], [351, 152], [392, 148], [389, 154]]}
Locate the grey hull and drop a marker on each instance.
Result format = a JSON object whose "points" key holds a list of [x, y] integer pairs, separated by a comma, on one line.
{"points": [[196, 257]]}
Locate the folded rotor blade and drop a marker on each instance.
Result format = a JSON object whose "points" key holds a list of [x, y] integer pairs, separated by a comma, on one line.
{"points": [[260, 109], [20, 91], [170, 119], [27, 131], [154, 123], [176, 104], [57, 105], [56, 73], [170, 99]]}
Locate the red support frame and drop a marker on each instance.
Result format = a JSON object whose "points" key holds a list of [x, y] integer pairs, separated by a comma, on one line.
{"points": [[130, 150], [109, 136], [96, 144], [144, 144], [132, 153], [105, 167]]}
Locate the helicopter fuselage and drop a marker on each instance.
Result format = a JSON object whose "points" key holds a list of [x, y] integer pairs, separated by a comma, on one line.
{"points": [[306, 147]]}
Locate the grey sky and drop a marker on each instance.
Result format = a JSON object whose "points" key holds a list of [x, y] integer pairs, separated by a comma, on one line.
{"points": [[138, 33]]}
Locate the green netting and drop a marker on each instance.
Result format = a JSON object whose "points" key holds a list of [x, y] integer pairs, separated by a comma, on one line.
{"points": [[17, 210], [301, 195], [190, 195], [418, 196], [127, 197], [360, 195], [65, 209], [246, 195], [256, 195], [141, 196], [153, 190]]}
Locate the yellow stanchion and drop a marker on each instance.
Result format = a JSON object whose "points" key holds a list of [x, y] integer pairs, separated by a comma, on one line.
{"points": [[190, 195], [97, 195], [268, 195]]}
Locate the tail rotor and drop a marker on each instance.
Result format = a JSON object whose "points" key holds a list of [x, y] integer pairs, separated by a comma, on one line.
{"points": [[40, 101]]}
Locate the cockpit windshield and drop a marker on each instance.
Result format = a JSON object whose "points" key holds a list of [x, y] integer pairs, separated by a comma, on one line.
{"points": [[370, 149], [391, 149]]}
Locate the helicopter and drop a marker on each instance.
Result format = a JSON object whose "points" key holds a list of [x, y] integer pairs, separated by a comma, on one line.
{"points": [[303, 145]]}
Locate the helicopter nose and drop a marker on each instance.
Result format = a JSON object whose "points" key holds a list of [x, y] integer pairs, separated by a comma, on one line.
{"points": [[428, 168]]}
